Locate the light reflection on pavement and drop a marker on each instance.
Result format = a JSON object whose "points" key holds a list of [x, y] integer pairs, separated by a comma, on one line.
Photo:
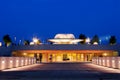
{"points": [[61, 71]]}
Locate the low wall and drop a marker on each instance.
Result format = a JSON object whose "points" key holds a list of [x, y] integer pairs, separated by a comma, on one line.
{"points": [[14, 62], [111, 62]]}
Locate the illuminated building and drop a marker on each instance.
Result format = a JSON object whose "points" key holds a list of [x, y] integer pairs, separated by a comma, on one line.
{"points": [[64, 39], [64, 48]]}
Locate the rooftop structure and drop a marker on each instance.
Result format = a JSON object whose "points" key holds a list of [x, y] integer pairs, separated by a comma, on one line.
{"points": [[64, 39]]}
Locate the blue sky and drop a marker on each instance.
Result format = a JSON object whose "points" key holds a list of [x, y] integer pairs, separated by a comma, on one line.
{"points": [[45, 18]]}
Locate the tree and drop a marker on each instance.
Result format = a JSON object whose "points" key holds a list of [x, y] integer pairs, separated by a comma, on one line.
{"points": [[112, 40], [83, 37], [39, 42], [7, 40], [26, 42], [95, 39]]}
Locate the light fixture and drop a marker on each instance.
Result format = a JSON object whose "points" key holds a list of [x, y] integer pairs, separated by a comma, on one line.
{"points": [[17, 61], [0, 43], [31, 43], [95, 43], [11, 61], [104, 54], [35, 40], [24, 54], [88, 40], [3, 62]]}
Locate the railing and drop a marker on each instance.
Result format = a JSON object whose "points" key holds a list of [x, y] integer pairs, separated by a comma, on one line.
{"points": [[111, 62], [14, 62]]}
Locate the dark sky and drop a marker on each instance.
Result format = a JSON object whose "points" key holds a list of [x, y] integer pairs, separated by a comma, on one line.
{"points": [[45, 18]]}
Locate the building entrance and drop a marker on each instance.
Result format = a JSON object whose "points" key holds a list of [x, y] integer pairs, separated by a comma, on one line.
{"points": [[69, 57], [64, 55]]}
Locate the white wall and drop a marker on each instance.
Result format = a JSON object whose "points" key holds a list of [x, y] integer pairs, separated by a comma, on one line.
{"points": [[111, 62], [14, 62]]}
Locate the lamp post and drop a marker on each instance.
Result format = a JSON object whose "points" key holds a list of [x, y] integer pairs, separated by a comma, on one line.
{"points": [[20, 42], [35, 40], [88, 40], [15, 40]]}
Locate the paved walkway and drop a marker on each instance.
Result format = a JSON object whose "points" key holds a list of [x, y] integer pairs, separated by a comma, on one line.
{"points": [[61, 71]]}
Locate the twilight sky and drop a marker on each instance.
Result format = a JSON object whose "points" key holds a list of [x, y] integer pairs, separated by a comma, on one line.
{"points": [[45, 18]]}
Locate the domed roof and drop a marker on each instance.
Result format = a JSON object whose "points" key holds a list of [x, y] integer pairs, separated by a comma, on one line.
{"points": [[64, 36]]}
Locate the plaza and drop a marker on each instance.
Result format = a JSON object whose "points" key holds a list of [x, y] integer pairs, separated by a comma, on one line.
{"points": [[61, 71]]}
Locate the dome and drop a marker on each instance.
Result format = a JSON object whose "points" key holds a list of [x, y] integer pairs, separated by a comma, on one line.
{"points": [[64, 39], [64, 36]]}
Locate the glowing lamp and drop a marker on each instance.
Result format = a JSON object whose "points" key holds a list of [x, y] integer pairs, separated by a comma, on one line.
{"points": [[88, 40], [3, 62], [0, 43], [11, 61], [95, 43], [35, 40], [17, 61]]}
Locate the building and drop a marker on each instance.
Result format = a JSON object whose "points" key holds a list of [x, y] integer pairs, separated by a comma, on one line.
{"points": [[64, 39], [64, 48]]}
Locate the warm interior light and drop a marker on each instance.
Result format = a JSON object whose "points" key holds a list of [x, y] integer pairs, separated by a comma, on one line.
{"points": [[24, 54], [82, 56], [104, 54]]}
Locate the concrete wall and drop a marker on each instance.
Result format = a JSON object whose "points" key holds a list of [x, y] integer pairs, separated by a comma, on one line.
{"points": [[14, 62], [111, 62]]}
